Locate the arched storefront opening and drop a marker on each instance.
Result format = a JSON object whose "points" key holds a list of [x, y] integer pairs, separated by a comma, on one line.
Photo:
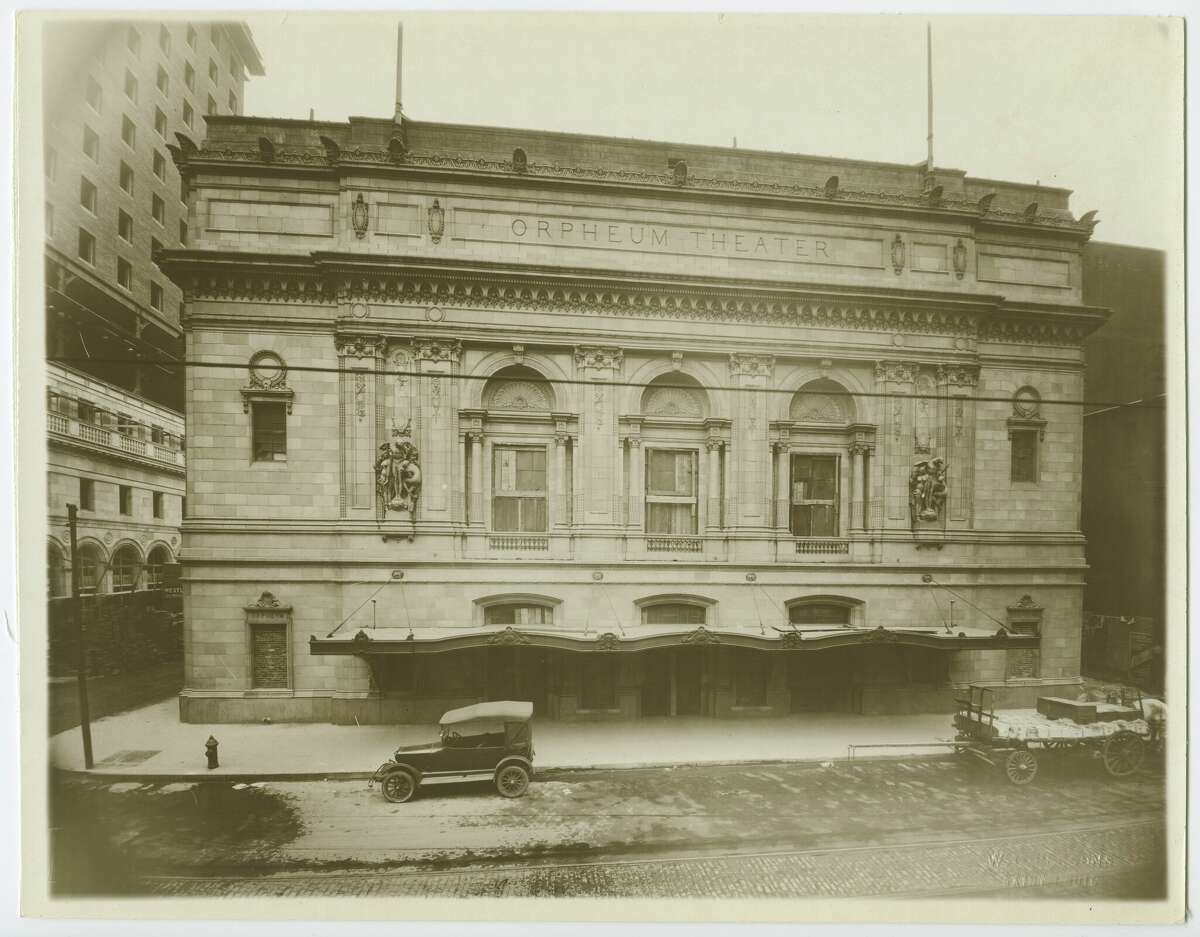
{"points": [[159, 557], [885, 678], [126, 566], [56, 578]]}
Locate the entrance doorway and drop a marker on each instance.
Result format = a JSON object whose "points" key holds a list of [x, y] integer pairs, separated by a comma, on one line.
{"points": [[518, 673], [674, 682]]}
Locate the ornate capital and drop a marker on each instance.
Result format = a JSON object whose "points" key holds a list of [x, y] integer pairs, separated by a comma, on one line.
{"points": [[958, 375], [360, 346], [635, 442], [751, 365], [437, 349], [898, 372], [714, 445], [598, 357]]}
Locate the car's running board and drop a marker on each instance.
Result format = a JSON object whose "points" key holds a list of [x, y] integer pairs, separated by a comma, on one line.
{"points": [[457, 778]]}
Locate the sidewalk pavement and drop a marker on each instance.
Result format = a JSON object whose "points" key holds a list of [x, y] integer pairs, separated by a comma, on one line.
{"points": [[152, 744]]}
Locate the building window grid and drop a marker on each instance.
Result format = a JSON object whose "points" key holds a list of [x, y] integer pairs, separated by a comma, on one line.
{"points": [[162, 81], [671, 492], [124, 570], [133, 41], [183, 232], [156, 297], [232, 103], [188, 114], [86, 249], [160, 166], [158, 208], [125, 500], [189, 76], [124, 274], [87, 493], [674, 613], [1024, 464], [126, 178], [157, 499], [124, 225], [518, 614], [213, 71], [212, 105], [164, 40], [131, 86], [160, 123], [814, 496], [128, 132], [519, 489], [192, 37], [94, 95]]}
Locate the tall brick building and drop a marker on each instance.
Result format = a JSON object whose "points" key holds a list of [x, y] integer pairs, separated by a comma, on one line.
{"points": [[116, 94], [623, 428]]}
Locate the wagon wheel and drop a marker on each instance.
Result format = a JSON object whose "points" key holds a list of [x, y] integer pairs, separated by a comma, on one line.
{"points": [[1021, 766], [1123, 754]]}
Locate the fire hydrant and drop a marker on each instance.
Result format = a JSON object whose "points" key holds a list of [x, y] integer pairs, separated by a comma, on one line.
{"points": [[210, 749]]}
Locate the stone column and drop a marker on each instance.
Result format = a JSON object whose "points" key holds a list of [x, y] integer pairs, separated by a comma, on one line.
{"points": [[358, 359], [437, 395], [598, 430], [957, 383], [619, 512], [561, 492], [637, 481], [476, 440], [858, 498], [752, 484], [714, 483], [783, 487]]}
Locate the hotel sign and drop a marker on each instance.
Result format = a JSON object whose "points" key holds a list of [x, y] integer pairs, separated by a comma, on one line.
{"points": [[778, 245]]}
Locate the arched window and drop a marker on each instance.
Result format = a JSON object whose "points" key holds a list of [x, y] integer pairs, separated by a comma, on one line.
{"points": [[518, 387], [518, 402], [125, 567], [823, 610], [518, 613], [675, 612], [91, 569], [673, 435], [159, 557], [55, 571], [810, 476]]}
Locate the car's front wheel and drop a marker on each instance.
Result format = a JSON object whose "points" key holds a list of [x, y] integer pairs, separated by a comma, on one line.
{"points": [[399, 787], [512, 780]]}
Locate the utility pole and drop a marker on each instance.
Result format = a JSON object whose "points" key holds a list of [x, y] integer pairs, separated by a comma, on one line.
{"points": [[85, 722]]}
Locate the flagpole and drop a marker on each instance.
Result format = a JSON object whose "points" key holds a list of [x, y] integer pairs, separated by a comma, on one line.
{"points": [[929, 93]]}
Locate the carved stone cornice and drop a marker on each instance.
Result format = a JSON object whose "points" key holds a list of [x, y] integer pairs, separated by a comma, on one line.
{"points": [[896, 372], [598, 357], [745, 365], [1031, 331], [437, 349]]}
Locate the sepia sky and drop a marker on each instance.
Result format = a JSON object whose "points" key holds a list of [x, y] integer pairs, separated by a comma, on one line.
{"points": [[1088, 103]]}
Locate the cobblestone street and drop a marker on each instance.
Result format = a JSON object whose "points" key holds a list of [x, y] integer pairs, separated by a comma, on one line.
{"points": [[932, 827]]}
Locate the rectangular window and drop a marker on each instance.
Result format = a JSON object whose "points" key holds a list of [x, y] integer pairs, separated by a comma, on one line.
{"points": [[183, 234], [160, 166], [128, 132], [674, 613], [750, 673], [158, 209], [87, 247], [519, 489], [517, 614], [160, 123], [124, 274], [268, 656], [213, 71], [192, 36], [671, 491], [52, 157], [127, 178], [268, 431], [815, 496], [212, 105], [131, 86], [155, 249], [598, 681], [164, 40], [1024, 455], [232, 103], [156, 435], [87, 494], [158, 504], [86, 412], [189, 76], [91, 144], [156, 297], [133, 40], [125, 496], [87, 194], [125, 225], [187, 113], [162, 81], [94, 94]]}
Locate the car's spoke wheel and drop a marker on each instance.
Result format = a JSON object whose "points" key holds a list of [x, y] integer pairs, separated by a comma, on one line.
{"points": [[1123, 754], [399, 787], [1021, 766], [512, 780]]}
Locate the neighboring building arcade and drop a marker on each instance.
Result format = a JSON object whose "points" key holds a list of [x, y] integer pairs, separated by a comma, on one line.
{"points": [[619, 427]]}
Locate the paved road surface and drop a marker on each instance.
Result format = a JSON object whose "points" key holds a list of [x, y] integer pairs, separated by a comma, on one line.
{"points": [[868, 828]]}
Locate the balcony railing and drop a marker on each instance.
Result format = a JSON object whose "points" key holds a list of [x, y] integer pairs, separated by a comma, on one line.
{"points": [[674, 545], [111, 439], [519, 544], [824, 546]]}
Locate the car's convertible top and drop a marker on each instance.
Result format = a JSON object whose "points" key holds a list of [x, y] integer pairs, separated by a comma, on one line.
{"points": [[499, 711]]}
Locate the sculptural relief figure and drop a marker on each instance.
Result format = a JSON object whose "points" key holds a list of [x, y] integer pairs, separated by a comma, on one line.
{"points": [[398, 474], [927, 489]]}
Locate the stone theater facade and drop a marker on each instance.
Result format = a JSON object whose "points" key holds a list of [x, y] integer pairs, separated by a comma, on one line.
{"points": [[623, 428]]}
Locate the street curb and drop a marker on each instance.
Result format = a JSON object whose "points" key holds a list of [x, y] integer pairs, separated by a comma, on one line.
{"points": [[540, 774]]}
